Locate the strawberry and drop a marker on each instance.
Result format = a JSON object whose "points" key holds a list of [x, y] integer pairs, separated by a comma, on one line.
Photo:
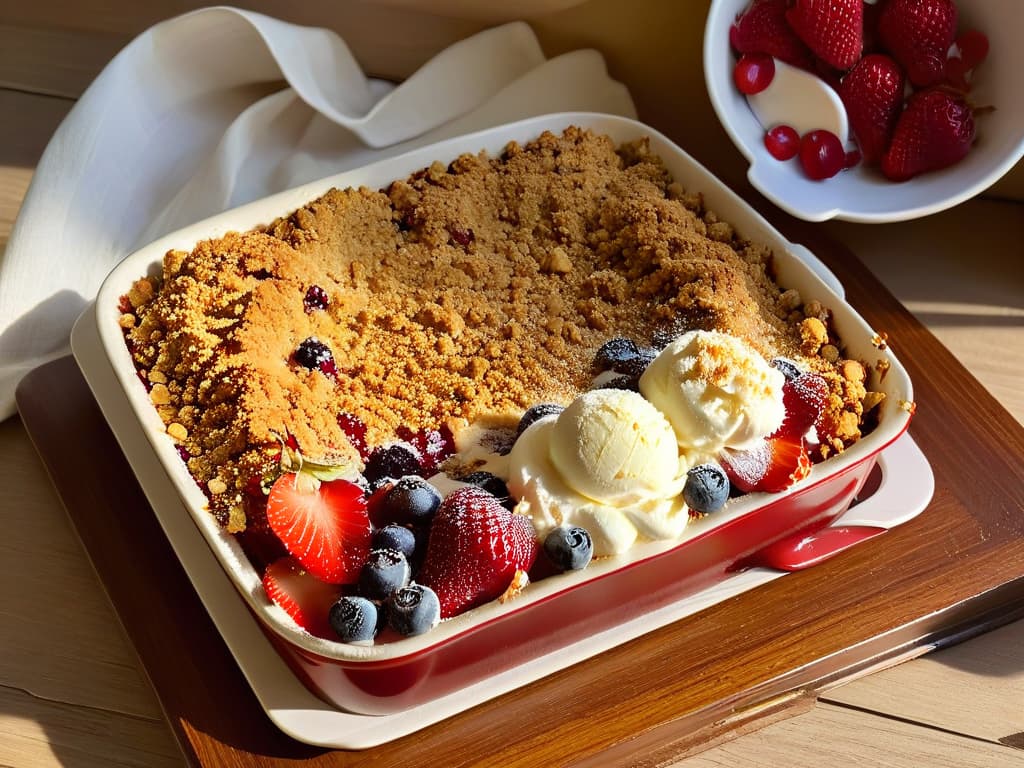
{"points": [[323, 524], [302, 596], [872, 93], [475, 548], [832, 29], [762, 28], [935, 130], [772, 466], [918, 34], [804, 399]]}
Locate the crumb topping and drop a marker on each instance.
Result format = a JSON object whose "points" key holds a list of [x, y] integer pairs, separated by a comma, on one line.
{"points": [[464, 293]]}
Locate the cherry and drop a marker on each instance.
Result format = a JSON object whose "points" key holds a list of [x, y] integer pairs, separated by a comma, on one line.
{"points": [[821, 155], [852, 158], [973, 47], [782, 142], [754, 72]]}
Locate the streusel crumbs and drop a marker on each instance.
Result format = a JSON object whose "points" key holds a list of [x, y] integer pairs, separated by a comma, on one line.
{"points": [[466, 292]]}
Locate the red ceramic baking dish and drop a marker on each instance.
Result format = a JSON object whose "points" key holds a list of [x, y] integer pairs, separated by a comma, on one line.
{"points": [[559, 610]]}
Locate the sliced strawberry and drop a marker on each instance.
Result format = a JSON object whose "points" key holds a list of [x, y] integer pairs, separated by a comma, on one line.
{"points": [[302, 596], [872, 93], [935, 130], [804, 399], [832, 29], [772, 466], [762, 28], [918, 34], [475, 548], [323, 524]]}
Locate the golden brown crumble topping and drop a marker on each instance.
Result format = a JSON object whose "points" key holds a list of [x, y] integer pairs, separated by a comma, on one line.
{"points": [[464, 292]]}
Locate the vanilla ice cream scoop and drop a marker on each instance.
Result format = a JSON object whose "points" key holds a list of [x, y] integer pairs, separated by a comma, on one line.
{"points": [[716, 391], [608, 463], [614, 447]]}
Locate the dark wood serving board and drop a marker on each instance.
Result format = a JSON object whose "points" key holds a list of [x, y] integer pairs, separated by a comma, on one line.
{"points": [[956, 569]]}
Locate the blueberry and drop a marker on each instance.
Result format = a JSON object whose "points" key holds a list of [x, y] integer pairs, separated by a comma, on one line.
{"points": [[493, 484], [410, 500], [615, 353], [391, 461], [706, 489], [569, 548], [315, 298], [314, 354], [630, 383], [355, 619], [645, 356], [662, 337], [788, 368], [536, 413], [413, 610], [624, 356], [385, 572], [396, 537]]}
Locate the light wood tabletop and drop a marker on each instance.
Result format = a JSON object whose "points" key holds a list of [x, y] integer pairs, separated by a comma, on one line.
{"points": [[71, 689]]}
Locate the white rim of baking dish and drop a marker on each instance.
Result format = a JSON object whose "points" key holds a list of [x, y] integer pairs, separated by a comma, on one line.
{"points": [[861, 340]]}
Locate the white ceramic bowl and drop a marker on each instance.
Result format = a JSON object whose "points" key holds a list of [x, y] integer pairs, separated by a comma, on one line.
{"points": [[863, 194]]}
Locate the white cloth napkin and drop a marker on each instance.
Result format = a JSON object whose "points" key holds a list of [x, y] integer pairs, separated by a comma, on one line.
{"points": [[192, 118]]}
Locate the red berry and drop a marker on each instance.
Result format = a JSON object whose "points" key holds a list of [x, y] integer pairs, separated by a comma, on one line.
{"points": [[852, 158], [782, 142], [432, 445], [832, 29], [804, 399], [323, 524], [935, 131], [355, 431], [303, 596], [973, 47], [475, 548], [918, 34], [958, 74], [872, 93], [772, 466], [821, 155], [762, 28], [753, 72]]}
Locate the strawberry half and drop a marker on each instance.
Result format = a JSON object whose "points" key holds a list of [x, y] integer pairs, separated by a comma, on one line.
{"points": [[832, 29], [475, 548], [302, 596], [762, 28], [872, 93], [804, 399], [918, 34], [323, 524], [935, 130], [772, 466]]}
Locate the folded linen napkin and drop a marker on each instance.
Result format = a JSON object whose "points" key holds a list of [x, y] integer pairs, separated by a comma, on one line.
{"points": [[192, 118]]}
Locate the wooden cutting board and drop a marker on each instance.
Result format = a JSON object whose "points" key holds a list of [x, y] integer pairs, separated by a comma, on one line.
{"points": [[956, 569]]}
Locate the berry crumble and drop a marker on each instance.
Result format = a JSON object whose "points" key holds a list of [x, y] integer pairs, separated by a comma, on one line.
{"points": [[358, 338]]}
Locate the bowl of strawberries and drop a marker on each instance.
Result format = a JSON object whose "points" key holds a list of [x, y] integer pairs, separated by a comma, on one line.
{"points": [[868, 111]]}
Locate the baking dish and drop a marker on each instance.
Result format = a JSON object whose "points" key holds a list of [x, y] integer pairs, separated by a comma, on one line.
{"points": [[559, 610]]}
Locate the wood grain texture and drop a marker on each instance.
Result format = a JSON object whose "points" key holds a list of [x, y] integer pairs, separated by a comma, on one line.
{"points": [[957, 564], [830, 735], [984, 684], [38, 732], [89, 663]]}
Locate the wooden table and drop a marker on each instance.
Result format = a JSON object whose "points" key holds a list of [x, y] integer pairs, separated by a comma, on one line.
{"points": [[71, 692]]}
